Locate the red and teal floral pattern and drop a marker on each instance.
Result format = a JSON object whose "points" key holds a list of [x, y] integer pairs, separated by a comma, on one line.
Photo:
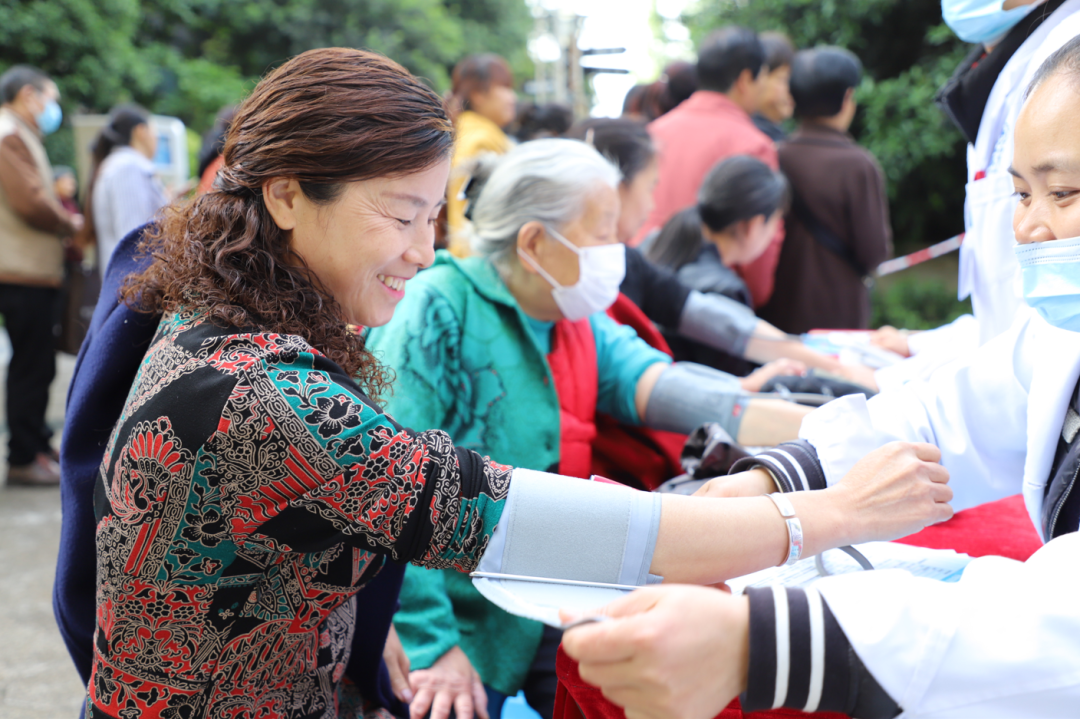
{"points": [[247, 493]]}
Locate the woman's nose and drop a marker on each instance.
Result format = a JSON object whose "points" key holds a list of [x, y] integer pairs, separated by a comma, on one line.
{"points": [[422, 251], [1031, 224]]}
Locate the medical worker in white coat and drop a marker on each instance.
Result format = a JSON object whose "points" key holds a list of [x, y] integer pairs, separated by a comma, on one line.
{"points": [[1002, 642], [1021, 34]]}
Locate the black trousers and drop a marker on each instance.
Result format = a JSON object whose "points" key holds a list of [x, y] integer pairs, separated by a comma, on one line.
{"points": [[30, 317], [542, 681]]}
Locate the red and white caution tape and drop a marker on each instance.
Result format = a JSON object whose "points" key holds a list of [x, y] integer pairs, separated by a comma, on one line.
{"points": [[916, 258]]}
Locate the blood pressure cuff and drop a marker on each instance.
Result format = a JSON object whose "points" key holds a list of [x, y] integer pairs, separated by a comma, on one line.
{"points": [[688, 395], [718, 322], [560, 527]]}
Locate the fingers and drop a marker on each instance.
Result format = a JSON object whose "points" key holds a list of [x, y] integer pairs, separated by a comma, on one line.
{"points": [[399, 679], [480, 698], [603, 642], [463, 705], [611, 641], [926, 452], [944, 512], [444, 700], [420, 704], [941, 493], [634, 603]]}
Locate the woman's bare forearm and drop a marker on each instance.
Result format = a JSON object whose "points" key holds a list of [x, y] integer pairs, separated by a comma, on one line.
{"points": [[706, 540], [768, 422]]}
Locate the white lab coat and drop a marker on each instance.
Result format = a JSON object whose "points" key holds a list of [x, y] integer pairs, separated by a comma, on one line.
{"points": [[988, 268], [1005, 640]]}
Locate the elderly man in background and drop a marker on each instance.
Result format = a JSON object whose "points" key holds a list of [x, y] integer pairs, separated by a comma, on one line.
{"points": [[32, 221], [711, 125]]}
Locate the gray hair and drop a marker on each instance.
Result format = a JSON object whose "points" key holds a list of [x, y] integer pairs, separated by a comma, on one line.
{"points": [[546, 181]]}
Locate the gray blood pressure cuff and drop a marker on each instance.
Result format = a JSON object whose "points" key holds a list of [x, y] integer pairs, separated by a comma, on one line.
{"points": [[717, 321], [688, 395], [574, 529]]}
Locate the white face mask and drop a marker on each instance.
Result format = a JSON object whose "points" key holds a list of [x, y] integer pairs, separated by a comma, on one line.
{"points": [[601, 270]]}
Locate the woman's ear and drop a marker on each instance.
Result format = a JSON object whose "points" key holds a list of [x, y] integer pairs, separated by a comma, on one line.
{"points": [[530, 240], [281, 195], [743, 230]]}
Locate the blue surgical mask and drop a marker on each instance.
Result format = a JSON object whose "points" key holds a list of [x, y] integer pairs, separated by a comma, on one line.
{"points": [[48, 120], [981, 21], [1050, 272]]}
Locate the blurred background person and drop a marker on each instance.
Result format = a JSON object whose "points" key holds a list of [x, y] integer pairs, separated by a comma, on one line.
{"points": [[713, 124], [66, 188], [82, 282], [775, 105], [213, 144], [680, 82], [482, 102], [667, 312], [838, 229], [631, 108], [32, 223], [124, 192], [535, 122], [739, 205]]}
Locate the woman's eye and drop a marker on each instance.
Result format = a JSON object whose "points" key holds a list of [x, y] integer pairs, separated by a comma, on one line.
{"points": [[1022, 195], [404, 223], [1063, 194]]}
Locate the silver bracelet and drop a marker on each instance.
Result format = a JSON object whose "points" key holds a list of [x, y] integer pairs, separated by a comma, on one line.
{"points": [[794, 527]]}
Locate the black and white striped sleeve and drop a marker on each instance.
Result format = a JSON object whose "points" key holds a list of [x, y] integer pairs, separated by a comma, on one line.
{"points": [[794, 466], [801, 659]]}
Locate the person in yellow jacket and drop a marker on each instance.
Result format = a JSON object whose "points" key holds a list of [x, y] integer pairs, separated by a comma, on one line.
{"points": [[482, 102]]}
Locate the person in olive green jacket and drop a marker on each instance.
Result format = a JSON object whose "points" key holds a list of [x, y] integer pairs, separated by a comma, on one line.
{"points": [[483, 348]]}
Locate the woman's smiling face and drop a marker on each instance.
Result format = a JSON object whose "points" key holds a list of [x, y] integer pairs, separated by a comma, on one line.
{"points": [[366, 244]]}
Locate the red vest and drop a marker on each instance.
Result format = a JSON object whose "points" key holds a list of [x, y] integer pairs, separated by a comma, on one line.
{"points": [[573, 365], [636, 456]]}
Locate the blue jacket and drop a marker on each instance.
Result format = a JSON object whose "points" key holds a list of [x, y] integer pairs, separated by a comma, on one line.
{"points": [[104, 371]]}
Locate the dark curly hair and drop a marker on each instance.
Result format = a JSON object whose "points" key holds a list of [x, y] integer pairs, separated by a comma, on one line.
{"points": [[325, 118]]}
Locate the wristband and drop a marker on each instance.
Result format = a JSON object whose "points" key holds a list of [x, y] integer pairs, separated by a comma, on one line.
{"points": [[794, 527]]}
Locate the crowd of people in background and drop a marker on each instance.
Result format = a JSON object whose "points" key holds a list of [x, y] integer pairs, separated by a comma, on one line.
{"points": [[603, 289]]}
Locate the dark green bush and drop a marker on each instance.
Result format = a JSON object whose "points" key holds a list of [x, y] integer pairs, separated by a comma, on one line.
{"points": [[916, 303]]}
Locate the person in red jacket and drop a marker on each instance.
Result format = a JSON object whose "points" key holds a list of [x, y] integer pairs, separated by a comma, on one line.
{"points": [[711, 125]]}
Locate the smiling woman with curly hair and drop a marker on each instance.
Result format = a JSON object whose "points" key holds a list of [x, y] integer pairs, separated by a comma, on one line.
{"points": [[251, 487]]}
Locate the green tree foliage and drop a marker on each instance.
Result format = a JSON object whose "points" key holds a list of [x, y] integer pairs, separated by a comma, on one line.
{"points": [[917, 303], [188, 58], [908, 54]]}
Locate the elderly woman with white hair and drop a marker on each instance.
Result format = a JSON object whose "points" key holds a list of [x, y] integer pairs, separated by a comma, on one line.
{"points": [[511, 353]]}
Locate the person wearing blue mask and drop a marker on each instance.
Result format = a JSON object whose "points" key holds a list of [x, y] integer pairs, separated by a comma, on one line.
{"points": [[983, 98], [32, 223], [1002, 642]]}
